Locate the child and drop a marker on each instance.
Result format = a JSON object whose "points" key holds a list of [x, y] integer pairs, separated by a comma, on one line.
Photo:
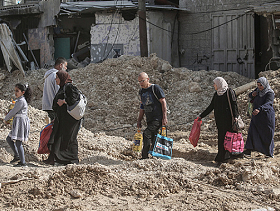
{"points": [[20, 127]]}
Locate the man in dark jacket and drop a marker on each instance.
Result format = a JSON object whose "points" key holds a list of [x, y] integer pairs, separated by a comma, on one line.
{"points": [[153, 105]]}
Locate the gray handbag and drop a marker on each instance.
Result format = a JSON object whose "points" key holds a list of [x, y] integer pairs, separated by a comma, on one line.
{"points": [[236, 124]]}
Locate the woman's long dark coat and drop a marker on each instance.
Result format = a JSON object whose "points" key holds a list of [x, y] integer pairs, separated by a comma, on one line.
{"points": [[63, 142], [262, 126], [223, 119]]}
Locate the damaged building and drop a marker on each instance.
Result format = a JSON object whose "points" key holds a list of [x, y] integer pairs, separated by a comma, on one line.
{"points": [[114, 29], [85, 32], [237, 36], [31, 25]]}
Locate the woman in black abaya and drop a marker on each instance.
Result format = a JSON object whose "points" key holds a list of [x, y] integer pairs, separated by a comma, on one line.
{"points": [[63, 143], [222, 113]]}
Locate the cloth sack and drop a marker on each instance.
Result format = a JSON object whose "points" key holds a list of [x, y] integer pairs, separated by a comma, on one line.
{"points": [[234, 143], [77, 111], [44, 139], [195, 132], [238, 124], [163, 147]]}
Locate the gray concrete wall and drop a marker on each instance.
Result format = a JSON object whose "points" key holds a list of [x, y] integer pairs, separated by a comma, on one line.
{"points": [[125, 34], [214, 5], [195, 48], [163, 38], [111, 29]]}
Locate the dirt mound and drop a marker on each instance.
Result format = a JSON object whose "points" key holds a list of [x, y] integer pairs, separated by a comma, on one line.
{"points": [[110, 176], [254, 172], [112, 91]]}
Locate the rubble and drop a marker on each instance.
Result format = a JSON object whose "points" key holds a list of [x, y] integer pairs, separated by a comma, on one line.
{"points": [[109, 175]]}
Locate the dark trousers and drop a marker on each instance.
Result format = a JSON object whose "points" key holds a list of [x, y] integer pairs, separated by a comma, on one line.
{"points": [[223, 154], [149, 137]]}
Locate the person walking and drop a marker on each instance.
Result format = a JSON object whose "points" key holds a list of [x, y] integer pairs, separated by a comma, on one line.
{"points": [[50, 86], [222, 113], [63, 142], [20, 125], [262, 125], [153, 106]]}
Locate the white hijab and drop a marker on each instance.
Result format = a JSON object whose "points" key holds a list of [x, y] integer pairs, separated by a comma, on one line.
{"points": [[221, 85]]}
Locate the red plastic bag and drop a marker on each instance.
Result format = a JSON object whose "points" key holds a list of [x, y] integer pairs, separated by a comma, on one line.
{"points": [[195, 132], [44, 139]]}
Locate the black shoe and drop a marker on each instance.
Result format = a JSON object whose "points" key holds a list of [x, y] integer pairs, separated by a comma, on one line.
{"points": [[247, 153], [235, 156], [49, 162], [16, 159], [269, 156], [20, 164], [218, 164]]}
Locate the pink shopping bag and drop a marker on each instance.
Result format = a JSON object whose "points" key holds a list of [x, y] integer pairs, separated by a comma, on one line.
{"points": [[234, 143]]}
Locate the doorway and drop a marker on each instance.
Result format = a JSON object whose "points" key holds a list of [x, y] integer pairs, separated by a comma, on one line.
{"points": [[263, 52], [233, 43]]}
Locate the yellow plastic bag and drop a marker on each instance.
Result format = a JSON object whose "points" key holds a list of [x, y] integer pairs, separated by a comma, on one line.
{"points": [[137, 141], [12, 105]]}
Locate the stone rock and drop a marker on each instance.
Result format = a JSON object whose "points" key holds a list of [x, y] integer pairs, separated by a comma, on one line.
{"points": [[246, 175], [166, 67], [75, 194], [194, 87], [2, 76]]}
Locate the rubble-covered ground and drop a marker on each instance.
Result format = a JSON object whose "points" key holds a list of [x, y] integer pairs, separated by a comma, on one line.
{"points": [[110, 176]]}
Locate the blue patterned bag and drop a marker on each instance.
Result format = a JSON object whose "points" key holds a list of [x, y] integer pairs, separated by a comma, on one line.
{"points": [[163, 147]]}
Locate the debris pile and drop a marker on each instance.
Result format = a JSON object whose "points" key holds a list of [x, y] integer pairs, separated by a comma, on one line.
{"points": [[112, 91], [110, 176]]}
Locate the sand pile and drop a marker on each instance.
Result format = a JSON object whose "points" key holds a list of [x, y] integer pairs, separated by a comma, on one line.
{"points": [[112, 90], [110, 176]]}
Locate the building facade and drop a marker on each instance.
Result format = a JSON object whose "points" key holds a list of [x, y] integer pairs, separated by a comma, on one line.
{"points": [[226, 35]]}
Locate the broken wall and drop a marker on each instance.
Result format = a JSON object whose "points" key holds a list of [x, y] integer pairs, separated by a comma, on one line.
{"points": [[41, 41], [112, 32], [113, 35], [77, 29]]}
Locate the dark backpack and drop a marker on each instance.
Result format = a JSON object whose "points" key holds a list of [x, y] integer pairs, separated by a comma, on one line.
{"points": [[167, 107]]}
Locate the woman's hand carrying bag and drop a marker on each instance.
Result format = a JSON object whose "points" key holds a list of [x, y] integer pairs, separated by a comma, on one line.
{"points": [[236, 124], [45, 135], [234, 143]]}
